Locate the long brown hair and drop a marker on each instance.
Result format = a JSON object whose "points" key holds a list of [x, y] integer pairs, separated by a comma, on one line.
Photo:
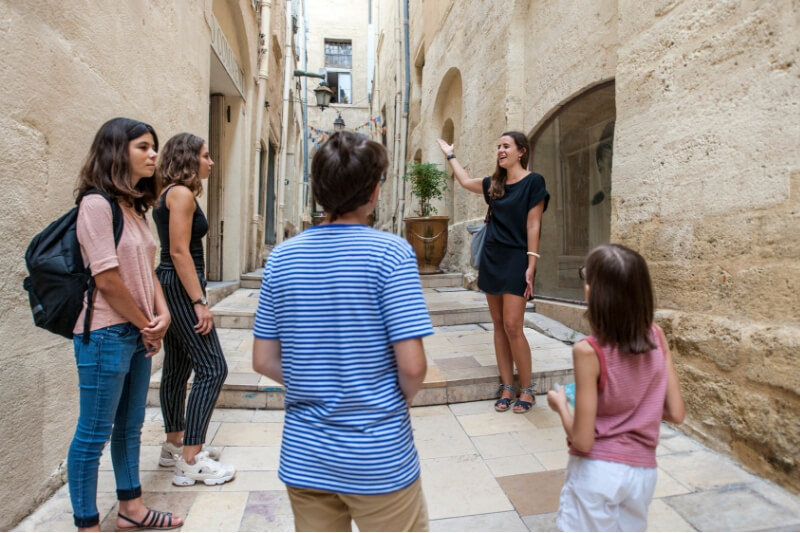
{"points": [[620, 298], [179, 162], [497, 187], [108, 166]]}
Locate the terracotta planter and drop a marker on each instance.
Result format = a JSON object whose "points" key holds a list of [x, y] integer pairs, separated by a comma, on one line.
{"points": [[428, 237]]}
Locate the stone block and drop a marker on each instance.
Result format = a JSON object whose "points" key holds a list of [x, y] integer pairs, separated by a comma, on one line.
{"points": [[767, 292], [430, 396], [713, 338], [471, 392], [773, 357], [697, 287], [235, 399], [777, 236], [725, 237], [668, 241], [784, 455]]}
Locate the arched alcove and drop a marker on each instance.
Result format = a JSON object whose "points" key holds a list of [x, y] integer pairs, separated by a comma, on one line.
{"points": [[448, 113]]}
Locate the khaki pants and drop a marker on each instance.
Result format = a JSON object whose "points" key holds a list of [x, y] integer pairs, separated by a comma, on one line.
{"points": [[318, 510]]}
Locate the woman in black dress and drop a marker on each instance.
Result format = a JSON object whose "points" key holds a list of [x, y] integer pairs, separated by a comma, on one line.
{"points": [[517, 199]]}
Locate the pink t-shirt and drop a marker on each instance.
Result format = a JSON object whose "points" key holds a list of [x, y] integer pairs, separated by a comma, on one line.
{"points": [[630, 404], [135, 257]]}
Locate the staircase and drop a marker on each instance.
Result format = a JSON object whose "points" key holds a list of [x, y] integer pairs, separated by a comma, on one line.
{"points": [[461, 361]]}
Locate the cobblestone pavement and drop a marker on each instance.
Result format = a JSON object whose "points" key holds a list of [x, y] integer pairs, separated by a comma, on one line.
{"points": [[481, 471]]}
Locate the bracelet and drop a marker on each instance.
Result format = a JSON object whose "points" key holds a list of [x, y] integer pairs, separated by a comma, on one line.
{"points": [[451, 156], [534, 254]]}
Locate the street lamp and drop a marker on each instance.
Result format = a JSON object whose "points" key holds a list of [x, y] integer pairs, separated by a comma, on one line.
{"points": [[323, 93], [338, 124]]}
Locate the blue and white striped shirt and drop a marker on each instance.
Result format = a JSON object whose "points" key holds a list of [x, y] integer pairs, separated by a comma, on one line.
{"points": [[337, 296]]}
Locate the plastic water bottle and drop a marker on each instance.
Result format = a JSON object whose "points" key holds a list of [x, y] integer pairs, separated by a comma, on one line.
{"points": [[569, 390]]}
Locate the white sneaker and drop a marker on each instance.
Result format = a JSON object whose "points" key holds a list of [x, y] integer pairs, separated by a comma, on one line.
{"points": [[204, 469], [170, 452]]}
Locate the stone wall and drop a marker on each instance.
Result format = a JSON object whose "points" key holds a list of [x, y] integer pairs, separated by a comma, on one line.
{"points": [[708, 189], [67, 68], [706, 175]]}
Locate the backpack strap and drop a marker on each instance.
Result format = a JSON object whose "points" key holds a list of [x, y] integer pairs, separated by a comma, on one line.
{"points": [[118, 223]]}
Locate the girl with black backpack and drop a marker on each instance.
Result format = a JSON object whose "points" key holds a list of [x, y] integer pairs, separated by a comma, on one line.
{"points": [[127, 323]]}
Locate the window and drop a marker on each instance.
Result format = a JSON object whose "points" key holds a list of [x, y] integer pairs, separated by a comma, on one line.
{"points": [[341, 84], [338, 65], [573, 151], [339, 54]]}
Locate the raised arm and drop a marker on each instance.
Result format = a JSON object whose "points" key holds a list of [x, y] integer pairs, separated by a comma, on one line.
{"points": [[463, 177]]}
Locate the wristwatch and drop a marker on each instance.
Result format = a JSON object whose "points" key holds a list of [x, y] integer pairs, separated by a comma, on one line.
{"points": [[451, 156], [201, 300]]}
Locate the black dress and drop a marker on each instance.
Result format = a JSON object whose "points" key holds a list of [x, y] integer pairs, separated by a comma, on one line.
{"points": [[505, 259]]}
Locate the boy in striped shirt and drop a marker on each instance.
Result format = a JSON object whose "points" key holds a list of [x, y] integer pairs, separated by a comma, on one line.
{"points": [[340, 322]]}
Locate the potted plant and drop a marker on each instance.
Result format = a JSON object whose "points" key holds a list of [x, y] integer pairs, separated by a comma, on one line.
{"points": [[426, 233]]}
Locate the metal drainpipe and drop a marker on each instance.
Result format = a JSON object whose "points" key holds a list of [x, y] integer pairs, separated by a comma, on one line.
{"points": [[281, 185], [263, 73], [304, 98], [404, 128], [397, 164]]}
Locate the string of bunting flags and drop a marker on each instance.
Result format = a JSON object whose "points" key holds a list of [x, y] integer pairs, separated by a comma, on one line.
{"points": [[319, 136]]}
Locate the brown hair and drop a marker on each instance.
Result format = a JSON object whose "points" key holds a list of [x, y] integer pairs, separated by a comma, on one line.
{"points": [[497, 186], [620, 298], [108, 168], [179, 162], [345, 171]]}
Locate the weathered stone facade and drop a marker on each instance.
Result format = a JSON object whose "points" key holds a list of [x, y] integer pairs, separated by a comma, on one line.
{"points": [[67, 68], [706, 172]]}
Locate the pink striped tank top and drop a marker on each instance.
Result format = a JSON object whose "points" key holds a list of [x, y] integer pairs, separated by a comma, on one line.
{"points": [[630, 404]]}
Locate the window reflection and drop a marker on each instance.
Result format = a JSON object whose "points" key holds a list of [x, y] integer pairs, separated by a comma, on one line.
{"points": [[574, 151]]}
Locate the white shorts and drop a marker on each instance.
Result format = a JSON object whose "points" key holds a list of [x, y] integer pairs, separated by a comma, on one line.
{"points": [[604, 496]]}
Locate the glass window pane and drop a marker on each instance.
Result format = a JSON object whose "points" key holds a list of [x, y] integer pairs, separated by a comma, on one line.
{"points": [[573, 152], [338, 54], [345, 88]]}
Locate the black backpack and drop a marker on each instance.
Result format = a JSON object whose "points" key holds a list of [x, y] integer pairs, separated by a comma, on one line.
{"points": [[58, 280]]}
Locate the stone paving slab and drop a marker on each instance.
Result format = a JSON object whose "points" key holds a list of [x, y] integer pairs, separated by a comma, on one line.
{"points": [[461, 368], [481, 471]]}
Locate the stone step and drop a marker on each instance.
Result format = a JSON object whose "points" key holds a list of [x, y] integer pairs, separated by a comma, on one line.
{"points": [[461, 368], [448, 306], [216, 291], [450, 279], [252, 280]]}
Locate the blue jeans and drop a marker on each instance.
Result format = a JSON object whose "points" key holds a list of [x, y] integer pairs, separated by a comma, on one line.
{"points": [[113, 375]]}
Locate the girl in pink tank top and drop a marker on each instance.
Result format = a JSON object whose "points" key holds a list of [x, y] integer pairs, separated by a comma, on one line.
{"points": [[625, 385]]}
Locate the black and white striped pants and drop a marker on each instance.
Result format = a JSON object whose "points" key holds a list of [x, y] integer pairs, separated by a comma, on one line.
{"points": [[186, 350]]}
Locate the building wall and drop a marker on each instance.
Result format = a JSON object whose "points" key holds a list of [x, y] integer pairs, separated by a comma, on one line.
{"points": [[706, 173], [337, 20], [68, 68]]}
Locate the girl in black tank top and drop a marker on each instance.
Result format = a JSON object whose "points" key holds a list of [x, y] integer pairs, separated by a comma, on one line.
{"points": [[191, 344]]}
